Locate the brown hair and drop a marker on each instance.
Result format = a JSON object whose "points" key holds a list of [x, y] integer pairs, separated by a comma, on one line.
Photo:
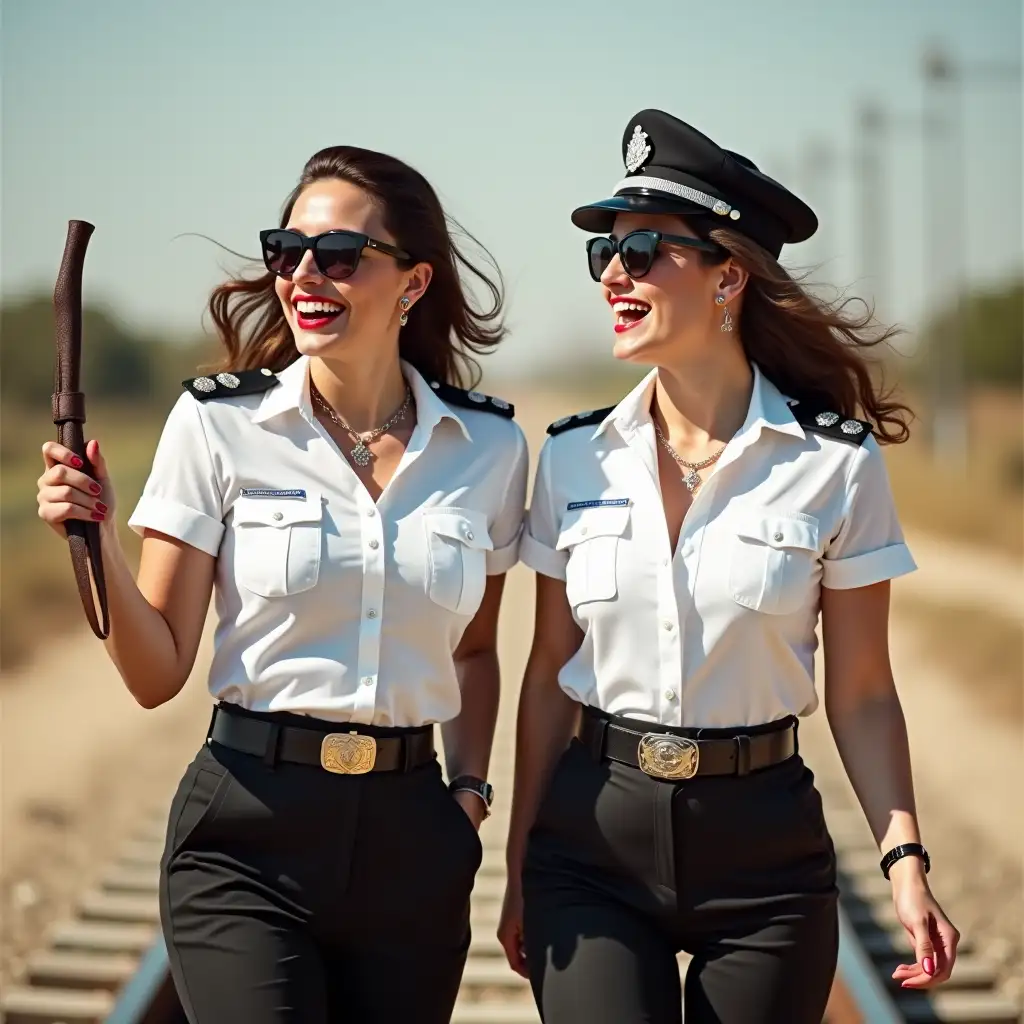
{"points": [[810, 349], [445, 328]]}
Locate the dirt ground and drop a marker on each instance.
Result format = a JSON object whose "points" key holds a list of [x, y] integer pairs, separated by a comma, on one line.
{"points": [[79, 758]]}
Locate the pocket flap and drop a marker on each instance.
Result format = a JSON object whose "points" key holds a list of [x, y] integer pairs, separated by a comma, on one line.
{"points": [[581, 524], [465, 525], [249, 511], [778, 531]]}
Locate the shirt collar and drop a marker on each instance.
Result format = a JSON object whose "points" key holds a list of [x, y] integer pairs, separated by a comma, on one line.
{"points": [[768, 408], [292, 392]]}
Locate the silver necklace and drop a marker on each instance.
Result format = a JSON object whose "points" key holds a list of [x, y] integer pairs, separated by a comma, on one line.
{"points": [[690, 477], [360, 453]]}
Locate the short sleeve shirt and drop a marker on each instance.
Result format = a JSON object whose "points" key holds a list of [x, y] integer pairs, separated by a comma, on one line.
{"points": [[329, 604], [719, 632]]}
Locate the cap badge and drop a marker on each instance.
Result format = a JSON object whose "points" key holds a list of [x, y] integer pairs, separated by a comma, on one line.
{"points": [[637, 151]]}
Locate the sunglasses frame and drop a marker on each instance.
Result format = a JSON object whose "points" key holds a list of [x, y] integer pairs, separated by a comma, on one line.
{"points": [[311, 241], [684, 240]]}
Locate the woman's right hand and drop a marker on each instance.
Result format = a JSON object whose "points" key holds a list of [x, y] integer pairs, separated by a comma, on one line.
{"points": [[510, 929], [66, 492]]}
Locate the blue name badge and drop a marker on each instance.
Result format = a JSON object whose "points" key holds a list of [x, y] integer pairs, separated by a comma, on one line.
{"points": [[597, 503], [267, 492]]}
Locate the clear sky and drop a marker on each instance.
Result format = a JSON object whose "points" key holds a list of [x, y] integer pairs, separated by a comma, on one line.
{"points": [[155, 118]]}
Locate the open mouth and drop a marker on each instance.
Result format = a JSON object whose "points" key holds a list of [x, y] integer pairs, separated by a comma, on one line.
{"points": [[629, 313], [312, 314]]}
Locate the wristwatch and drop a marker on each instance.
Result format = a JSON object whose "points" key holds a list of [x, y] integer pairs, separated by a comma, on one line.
{"points": [[471, 784], [905, 850]]}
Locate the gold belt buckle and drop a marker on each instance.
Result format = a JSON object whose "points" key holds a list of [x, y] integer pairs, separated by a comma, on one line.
{"points": [[348, 753], [668, 757]]}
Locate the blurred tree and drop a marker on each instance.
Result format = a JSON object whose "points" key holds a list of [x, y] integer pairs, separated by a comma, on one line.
{"points": [[992, 330], [117, 362]]}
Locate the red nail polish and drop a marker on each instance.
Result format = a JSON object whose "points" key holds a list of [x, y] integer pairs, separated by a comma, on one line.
{"points": [[77, 462], [928, 965], [98, 515], [100, 507], [95, 488]]}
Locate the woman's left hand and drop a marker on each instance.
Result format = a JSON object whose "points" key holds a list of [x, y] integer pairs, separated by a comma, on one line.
{"points": [[931, 934], [472, 805]]}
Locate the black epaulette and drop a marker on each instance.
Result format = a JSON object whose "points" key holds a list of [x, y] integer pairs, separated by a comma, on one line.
{"points": [[581, 419], [227, 385], [473, 399], [831, 424]]}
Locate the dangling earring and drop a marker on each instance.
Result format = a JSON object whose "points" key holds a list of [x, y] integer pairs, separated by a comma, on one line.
{"points": [[727, 319], [405, 303]]}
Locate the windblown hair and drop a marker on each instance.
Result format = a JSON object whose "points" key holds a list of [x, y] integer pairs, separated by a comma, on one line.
{"points": [[810, 349], [445, 329]]}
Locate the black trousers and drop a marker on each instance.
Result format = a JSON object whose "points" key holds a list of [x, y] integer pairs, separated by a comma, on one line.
{"points": [[624, 871], [290, 894]]}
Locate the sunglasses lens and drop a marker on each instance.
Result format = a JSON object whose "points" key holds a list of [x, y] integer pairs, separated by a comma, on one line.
{"points": [[337, 255], [600, 252], [637, 253], [282, 251]]}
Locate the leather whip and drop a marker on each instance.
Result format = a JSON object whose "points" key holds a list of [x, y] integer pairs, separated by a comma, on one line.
{"points": [[69, 416]]}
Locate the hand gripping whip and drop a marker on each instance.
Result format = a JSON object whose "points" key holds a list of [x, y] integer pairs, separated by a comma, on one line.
{"points": [[69, 415]]}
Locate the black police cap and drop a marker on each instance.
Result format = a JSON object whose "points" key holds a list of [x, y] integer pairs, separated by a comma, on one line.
{"points": [[673, 168]]}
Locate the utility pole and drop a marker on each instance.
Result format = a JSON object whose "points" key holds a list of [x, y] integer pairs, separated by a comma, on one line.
{"points": [[819, 171], [945, 245], [872, 137]]}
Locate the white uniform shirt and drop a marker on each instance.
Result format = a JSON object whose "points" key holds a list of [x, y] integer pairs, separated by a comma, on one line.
{"points": [[722, 631], [328, 604]]}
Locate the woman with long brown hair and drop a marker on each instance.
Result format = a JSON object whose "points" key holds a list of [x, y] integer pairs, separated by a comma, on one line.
{"points": [[685, 541], [355, 511]]}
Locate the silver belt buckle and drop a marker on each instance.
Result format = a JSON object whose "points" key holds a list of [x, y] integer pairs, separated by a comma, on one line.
{"points": [[664, 756]]}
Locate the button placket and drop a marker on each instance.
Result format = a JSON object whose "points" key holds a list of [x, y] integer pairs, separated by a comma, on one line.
{"points": [[372, 607]]}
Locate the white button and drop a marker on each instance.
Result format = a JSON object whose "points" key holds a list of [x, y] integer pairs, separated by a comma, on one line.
{"points": [[583, 531], [371, 511], [279, 515], [778, 536], [374, 544], [367, 680], [372, 613], [469, 535], [670, 695], [667, 625]]}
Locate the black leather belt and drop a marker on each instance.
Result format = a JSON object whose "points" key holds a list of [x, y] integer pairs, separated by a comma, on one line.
{"points": [[678, 754], [346, 751]]}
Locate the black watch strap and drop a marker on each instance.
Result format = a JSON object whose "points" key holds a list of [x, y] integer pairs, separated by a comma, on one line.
{"points": [[473, 784], [905, 850]]}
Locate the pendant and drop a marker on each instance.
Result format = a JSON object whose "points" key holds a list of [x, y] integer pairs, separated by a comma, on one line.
{"points": [[692, 480], [361, 455]]}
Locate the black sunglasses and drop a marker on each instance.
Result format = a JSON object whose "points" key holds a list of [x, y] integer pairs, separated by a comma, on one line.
{"points": [[636, 251], [336, 253]]}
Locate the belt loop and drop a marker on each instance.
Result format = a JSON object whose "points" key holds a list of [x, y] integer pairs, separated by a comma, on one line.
{"points": [[405, 760], [270, 751], [742, 755], [213, 718], [796, 735]]}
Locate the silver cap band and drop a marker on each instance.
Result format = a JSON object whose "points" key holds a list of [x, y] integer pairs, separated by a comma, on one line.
{"points": [[718, 206]]}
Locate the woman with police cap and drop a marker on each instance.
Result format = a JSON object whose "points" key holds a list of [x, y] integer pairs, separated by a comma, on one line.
{"points": [[685, 541], [355, 512]]}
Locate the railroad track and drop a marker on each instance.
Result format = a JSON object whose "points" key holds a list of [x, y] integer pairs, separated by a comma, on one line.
{"points": [[107, 965]]}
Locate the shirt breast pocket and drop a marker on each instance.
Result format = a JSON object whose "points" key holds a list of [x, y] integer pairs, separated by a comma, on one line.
{"points": [[773, 561], [457, 544], [277, 544], [591, 536]]}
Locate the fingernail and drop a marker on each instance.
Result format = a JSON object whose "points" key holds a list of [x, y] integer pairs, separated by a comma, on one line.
{"points": [[96, 489], [100, 507], [77, 462], [98, 515], [929, 967]]}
